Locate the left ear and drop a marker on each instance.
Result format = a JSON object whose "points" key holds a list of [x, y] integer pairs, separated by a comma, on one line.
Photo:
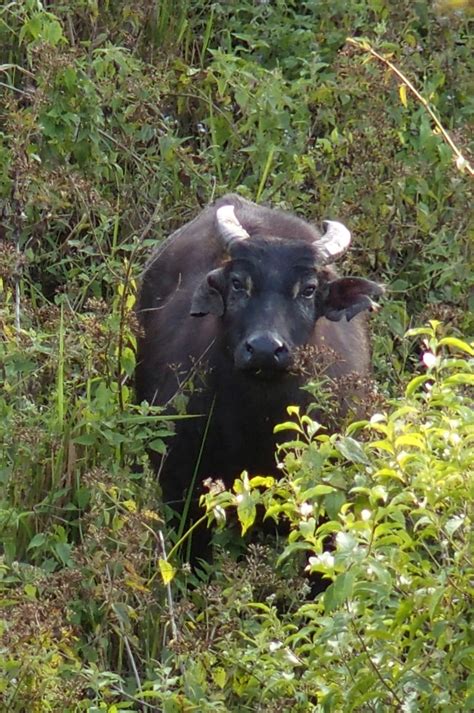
{"points": [[209, 295], [348, 296]]}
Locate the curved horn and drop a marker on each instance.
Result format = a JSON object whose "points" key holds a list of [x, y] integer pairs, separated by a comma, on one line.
{"points": [[334, 243], [228, 226]]}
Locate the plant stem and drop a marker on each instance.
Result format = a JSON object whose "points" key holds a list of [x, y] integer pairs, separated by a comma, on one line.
{"points": [[461, 161]]}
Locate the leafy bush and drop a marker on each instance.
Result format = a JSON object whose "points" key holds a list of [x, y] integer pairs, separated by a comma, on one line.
{"points": [[384, 513]]}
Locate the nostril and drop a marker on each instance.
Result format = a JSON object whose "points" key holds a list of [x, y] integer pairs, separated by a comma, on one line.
{"points": [[281, 351], [261, 351]]}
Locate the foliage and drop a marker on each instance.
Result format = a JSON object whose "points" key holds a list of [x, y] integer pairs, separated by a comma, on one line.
{"points": [[118, 121], [384, 513]]}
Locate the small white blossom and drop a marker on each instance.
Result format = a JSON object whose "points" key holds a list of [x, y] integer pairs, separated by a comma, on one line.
{"points": [[219, 513], [275, 645], [306, 509], [366, 515], [429, 360], [326, 559]]}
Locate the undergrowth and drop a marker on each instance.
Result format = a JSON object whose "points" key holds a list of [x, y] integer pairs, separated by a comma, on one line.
{"points": [[118, 122]]}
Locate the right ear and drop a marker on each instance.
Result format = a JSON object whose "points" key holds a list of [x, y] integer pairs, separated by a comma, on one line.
{"points": [[208, 297]]}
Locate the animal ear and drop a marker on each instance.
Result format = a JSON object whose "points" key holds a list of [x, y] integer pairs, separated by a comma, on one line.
{"points": [[348, 296], [208, 296]]}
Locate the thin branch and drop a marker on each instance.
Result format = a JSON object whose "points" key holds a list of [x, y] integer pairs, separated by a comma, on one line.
{"points": [[70, 29], [15, 89], [374, 667], [17, 238], [130, 656], [128, 648], [7, 67], [126, 149], [461, 162], [129, 697], [17, 302]]}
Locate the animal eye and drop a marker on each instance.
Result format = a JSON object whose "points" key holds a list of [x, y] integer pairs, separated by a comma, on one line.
{"points": [[236, 284], [308, 291]]}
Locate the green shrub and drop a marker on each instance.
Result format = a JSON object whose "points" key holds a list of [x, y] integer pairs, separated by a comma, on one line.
{"points": [[384, 513]]}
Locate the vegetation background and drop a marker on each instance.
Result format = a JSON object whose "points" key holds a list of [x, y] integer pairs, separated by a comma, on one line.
{"points": [[119, 121]]}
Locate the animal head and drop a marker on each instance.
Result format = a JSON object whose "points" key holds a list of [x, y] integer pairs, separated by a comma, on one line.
{"points": [[270, 292]]}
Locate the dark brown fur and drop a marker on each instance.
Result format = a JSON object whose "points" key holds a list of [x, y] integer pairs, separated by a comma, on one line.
{"points": [[238, 410]]}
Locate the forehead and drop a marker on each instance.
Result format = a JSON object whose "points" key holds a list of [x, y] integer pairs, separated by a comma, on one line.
{"points": [[273, 258]]}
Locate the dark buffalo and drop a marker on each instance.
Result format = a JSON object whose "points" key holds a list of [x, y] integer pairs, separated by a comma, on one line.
{"points": [[230, 302]]}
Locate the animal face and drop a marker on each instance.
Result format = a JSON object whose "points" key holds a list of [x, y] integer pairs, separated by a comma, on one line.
{"points": [[269, 295]]}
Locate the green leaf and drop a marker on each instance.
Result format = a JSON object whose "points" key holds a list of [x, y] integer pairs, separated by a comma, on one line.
{"points": [[352, 450], [30, 590], [82, 497], [415, 383], [343, 586], [410, 439], [458, 379], [383, 445], [287, 426], [435, 599], [333, 503], [308, 527], [337, 592], [261, 481], [457, 344], [454, 524], [37, 541], [220, 676], [317, 490], [63, 551], [388, 473], [52, 32], [246, 510], [418, 331], [346, 542], [157, 445], [32, 27], [86, 439], [122, 612], [4, 603]]}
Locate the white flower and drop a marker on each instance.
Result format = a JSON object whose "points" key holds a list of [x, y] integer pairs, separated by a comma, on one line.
{"points": [[366, 515], [326, 559], [306, 509], [429, 360], [275, 645]]}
